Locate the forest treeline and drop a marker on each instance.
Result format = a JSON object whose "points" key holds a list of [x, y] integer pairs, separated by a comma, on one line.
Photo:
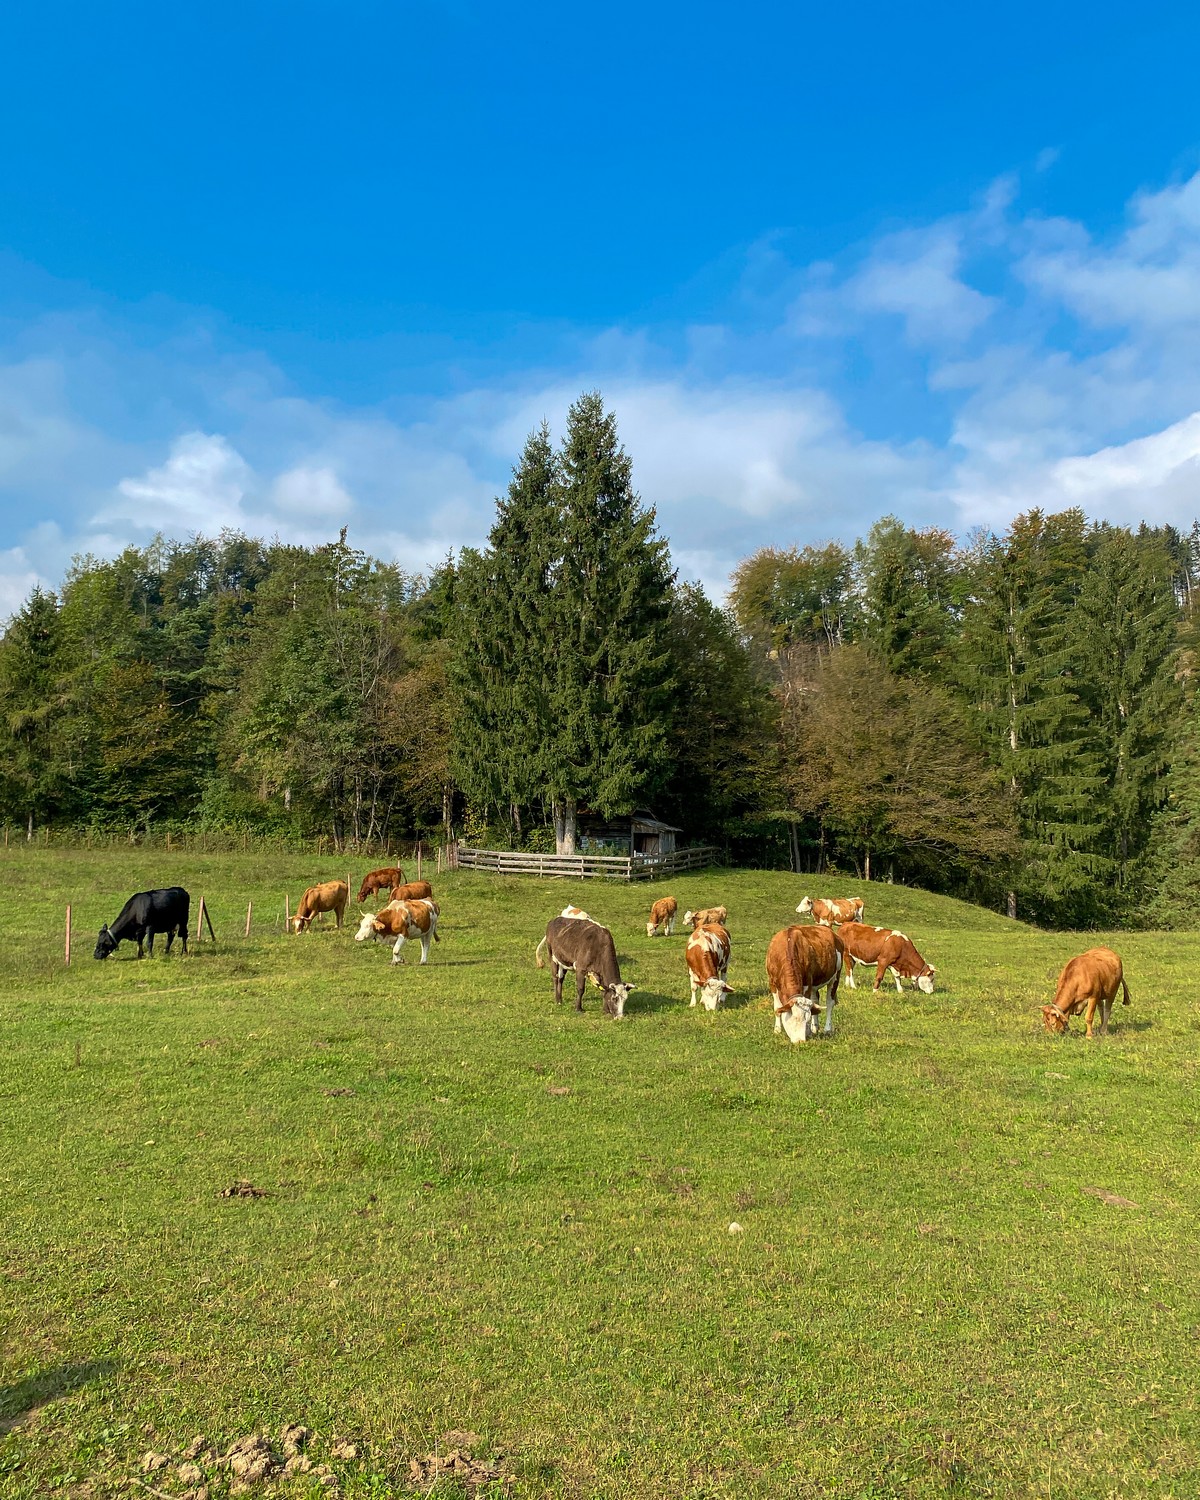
{"points": [[1012, 718]]}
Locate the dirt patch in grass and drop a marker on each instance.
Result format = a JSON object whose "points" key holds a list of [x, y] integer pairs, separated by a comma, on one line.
{"points": [[453, 1459], [243, 1189]]}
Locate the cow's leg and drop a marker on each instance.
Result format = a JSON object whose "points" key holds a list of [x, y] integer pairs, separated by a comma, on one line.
{"points": [[150, 941], [396, 959], [692, 982], [580, 985], [559, 971], [170, 938], [778, 1017], [426, 939], [670, 926], [880, 971], [850, 984], [1091, 1011], [183, 935], [896, 977]]}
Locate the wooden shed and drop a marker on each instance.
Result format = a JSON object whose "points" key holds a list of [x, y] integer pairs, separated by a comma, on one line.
{"points": [[635, 833]]}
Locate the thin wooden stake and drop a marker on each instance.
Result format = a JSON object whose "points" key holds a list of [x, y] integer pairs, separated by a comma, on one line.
{"points": [[207, 919], [249, 911], [67, 953], [286, 917], [418, 859], [439, 859]]}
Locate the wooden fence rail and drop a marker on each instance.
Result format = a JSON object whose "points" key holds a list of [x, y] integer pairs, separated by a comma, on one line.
{"points": [[584, 866]]}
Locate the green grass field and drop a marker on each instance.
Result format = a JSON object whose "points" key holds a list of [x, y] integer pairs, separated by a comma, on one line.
{"points": [[492, 1216]]}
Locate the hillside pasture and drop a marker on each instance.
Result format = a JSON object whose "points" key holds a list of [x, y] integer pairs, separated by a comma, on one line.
{"points": [[486, 1214]]}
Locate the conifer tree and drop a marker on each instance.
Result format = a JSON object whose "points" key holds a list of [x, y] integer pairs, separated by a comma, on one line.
{"points": [[1125, 622], [503, 651], [30, 709], [909, 586], [608, 616], [1018, 663]]}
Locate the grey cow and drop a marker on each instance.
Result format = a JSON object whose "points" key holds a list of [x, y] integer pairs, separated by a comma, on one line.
{"points": [[579, 943]]}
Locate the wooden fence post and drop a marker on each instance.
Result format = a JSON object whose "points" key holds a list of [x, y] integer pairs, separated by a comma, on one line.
{"points": [[286, 917], [249, 911], [68, 946], [439, 859], [418, 859]]}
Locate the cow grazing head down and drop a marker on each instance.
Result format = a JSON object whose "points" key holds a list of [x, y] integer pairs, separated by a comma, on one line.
{"points": [[713, 991], [925, 981], [369, 927], [105, 943], [615, 996], [1053, 1020]]}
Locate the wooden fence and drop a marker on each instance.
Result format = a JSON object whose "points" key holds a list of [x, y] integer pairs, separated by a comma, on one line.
{"points": [[584, 866]]}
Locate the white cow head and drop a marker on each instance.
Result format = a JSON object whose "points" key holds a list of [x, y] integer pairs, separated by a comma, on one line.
{"points": [[805, 906], [366, 929], [798, 1022], [615, 997], [713, 992], [651, 928], [925, 981]]}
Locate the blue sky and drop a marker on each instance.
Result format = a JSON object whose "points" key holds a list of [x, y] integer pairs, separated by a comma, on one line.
{"points": [[294, 267]]}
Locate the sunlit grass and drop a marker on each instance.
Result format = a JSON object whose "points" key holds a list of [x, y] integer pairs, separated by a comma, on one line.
{"points": [[489, 1214]]}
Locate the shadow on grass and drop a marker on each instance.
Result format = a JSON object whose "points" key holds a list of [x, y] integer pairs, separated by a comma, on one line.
{"points": [[17, 1402]]}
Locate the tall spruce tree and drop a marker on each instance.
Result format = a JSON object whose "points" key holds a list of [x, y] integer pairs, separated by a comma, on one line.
{"points": [[30, 711], [1125, 622], [1019, 664], [609, 614], [502, 666]]}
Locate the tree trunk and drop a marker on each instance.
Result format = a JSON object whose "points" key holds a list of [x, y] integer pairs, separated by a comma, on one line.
{"points": [[447, 811], [867, 865], [29, 830], [556, 814], [569, 823], [1012, 905]]}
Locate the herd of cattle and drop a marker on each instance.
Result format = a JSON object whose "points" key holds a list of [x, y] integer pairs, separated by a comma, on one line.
{"points": [[802, 960]]}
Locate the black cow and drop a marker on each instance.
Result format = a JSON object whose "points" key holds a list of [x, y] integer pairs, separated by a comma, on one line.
{"points": [[145, 914], [581, 944]]}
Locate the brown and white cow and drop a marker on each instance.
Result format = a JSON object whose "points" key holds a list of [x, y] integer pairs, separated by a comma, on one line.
{"points": [[1092, 979], [800, 962], [332, 896], [402, 921], [662, 914], [889, 950], [415, 890], [707, 955], [574, 941], [827, 913], [707, 916], [380, 880]]}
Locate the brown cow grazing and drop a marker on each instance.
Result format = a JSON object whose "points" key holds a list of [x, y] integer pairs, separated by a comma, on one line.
{"points": [[381, 880], [800, 961], [662, 913], [889, 950], [707, 916], [1092, 979], [827, 913], [707, 955], [331, 896], [402, 920], [577, 942], [415, 890]]}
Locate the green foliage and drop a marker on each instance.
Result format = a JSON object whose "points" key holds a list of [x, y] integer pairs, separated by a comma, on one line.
{"points": [[562, 653], [909, 595], [801, 595]]}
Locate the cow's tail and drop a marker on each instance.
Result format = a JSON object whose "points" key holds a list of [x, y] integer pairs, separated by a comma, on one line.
{"points": [[537, 954], [1124, 991]]}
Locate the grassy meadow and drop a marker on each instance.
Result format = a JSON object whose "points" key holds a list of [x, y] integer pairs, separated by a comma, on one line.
{"points": [[492, 1216]]}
